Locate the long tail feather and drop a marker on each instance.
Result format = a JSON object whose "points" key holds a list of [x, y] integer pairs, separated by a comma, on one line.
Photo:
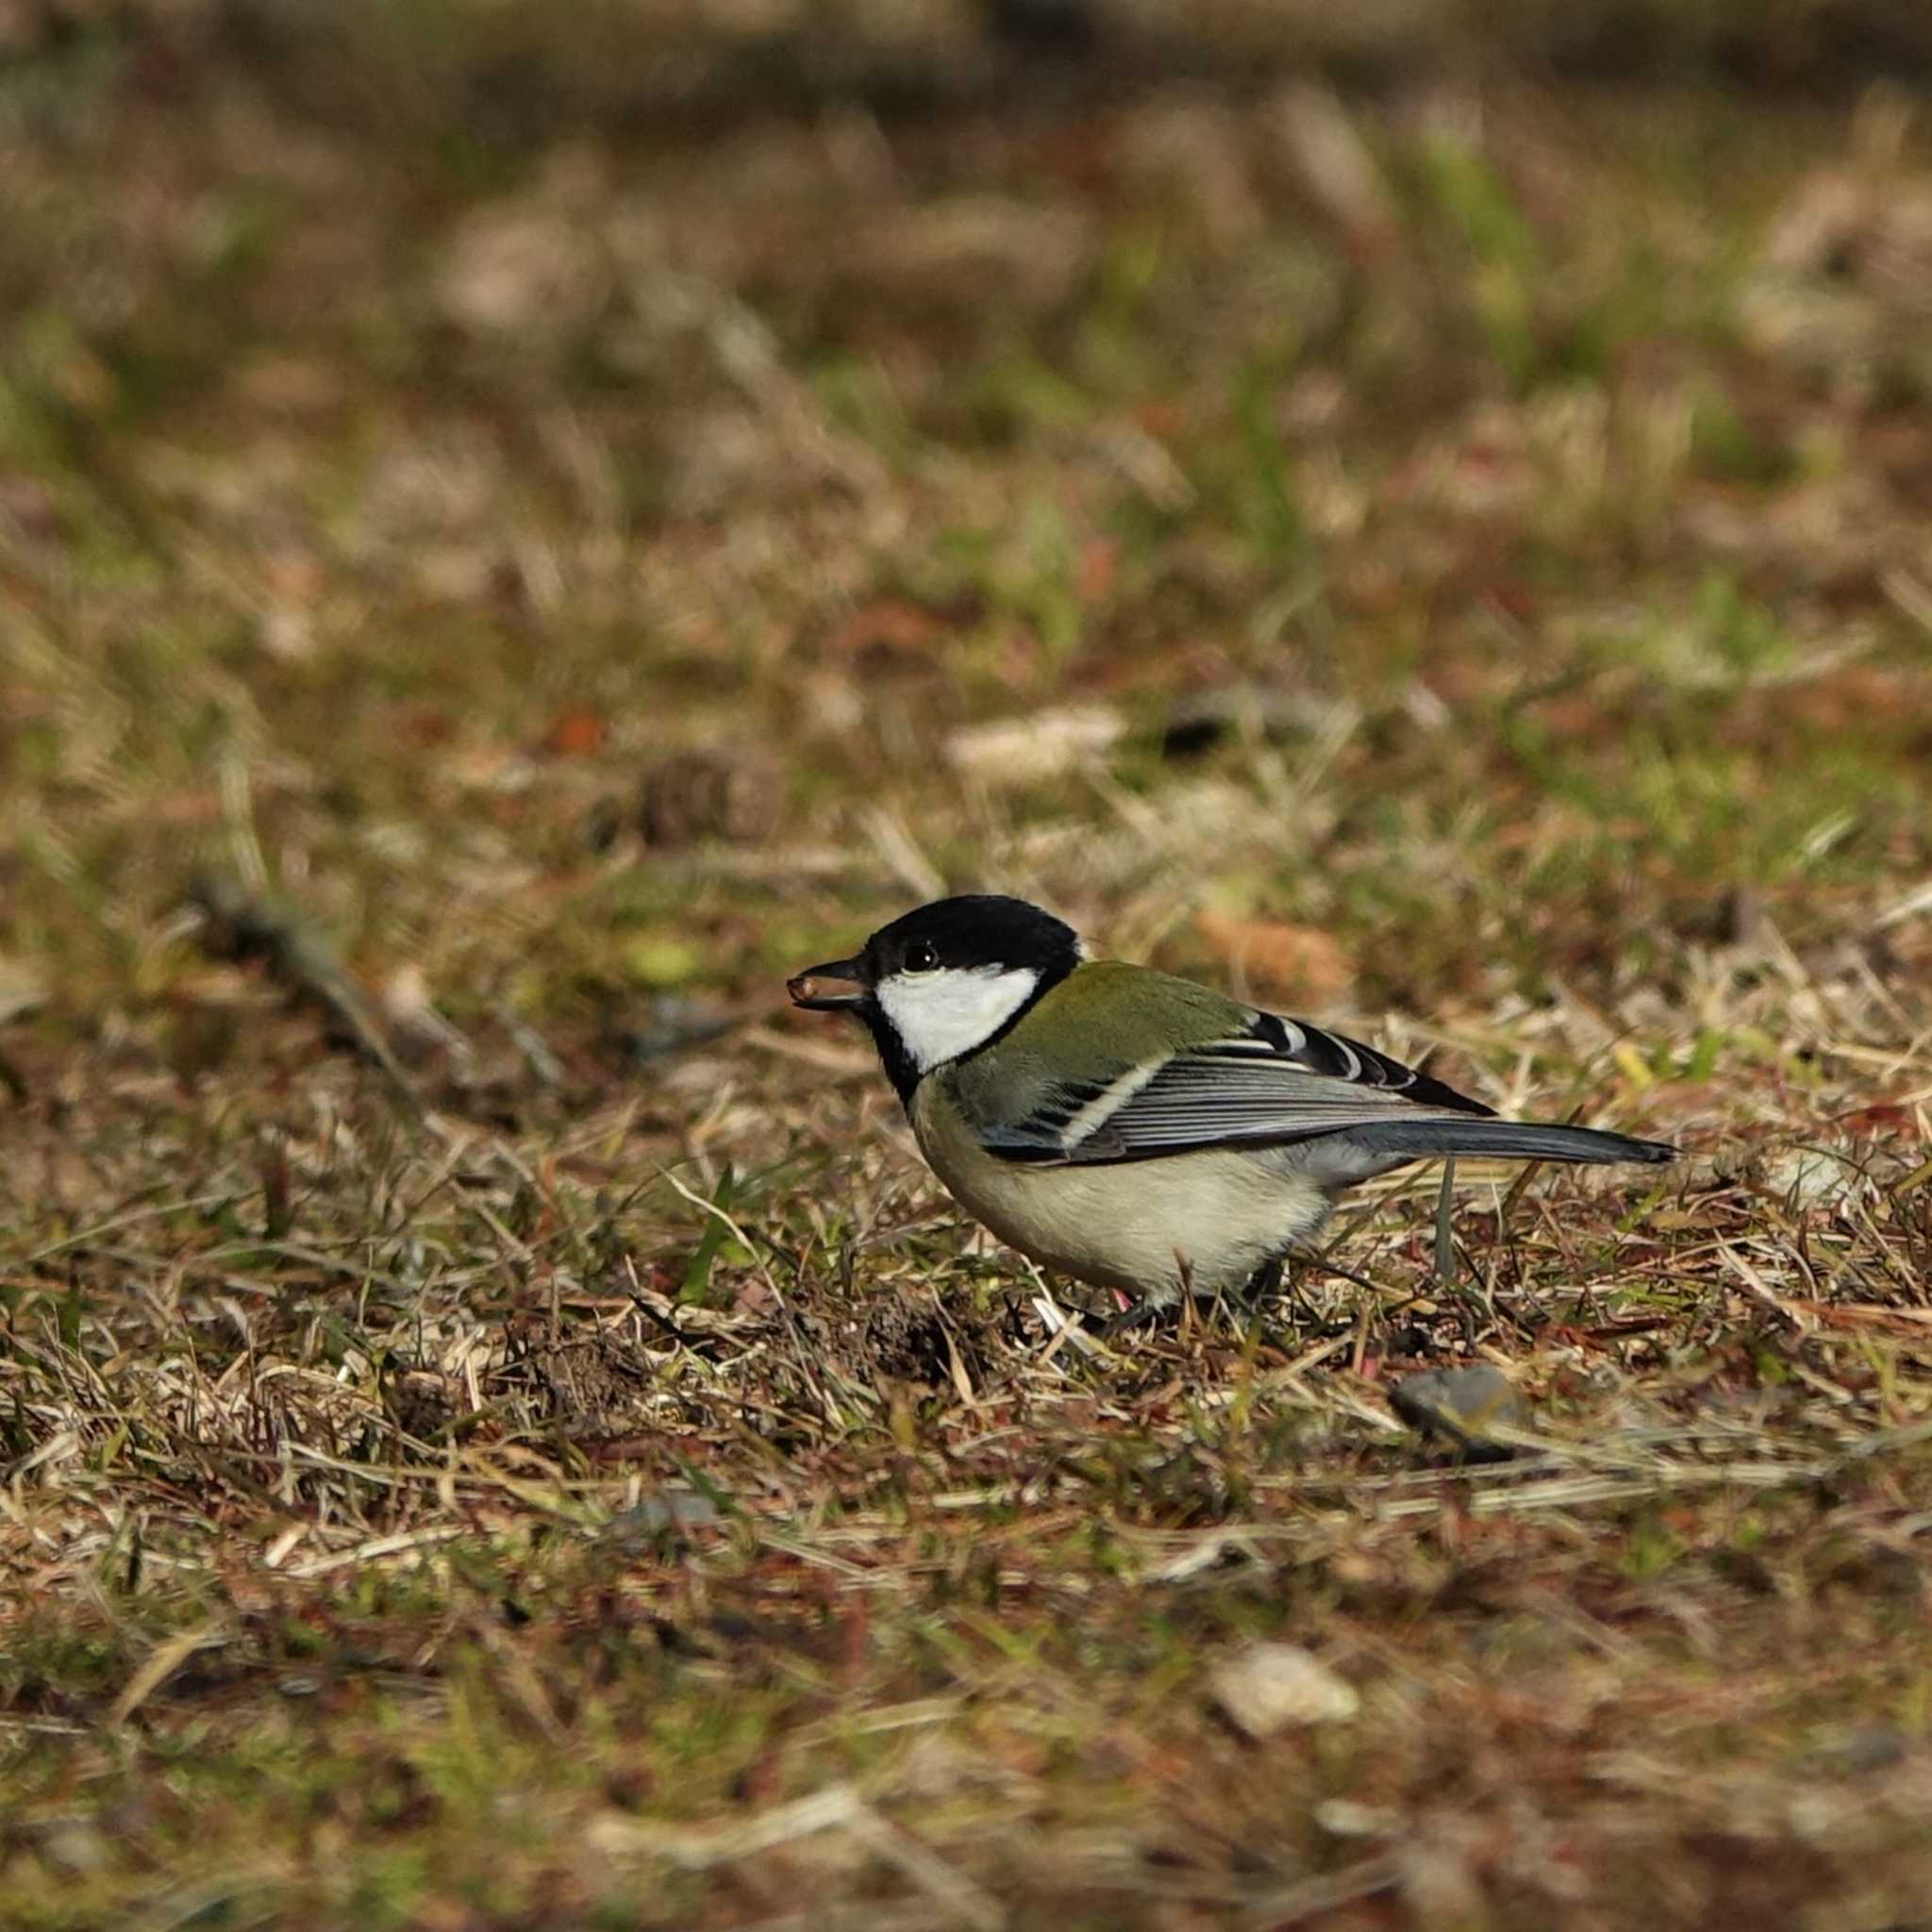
{"points": [[1519, 1140]]}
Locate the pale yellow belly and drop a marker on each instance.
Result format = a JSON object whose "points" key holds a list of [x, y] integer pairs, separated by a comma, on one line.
{"points": [[1206, 1220]]}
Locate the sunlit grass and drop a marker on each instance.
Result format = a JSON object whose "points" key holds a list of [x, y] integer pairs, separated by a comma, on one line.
{"points": [[498, 1428]]}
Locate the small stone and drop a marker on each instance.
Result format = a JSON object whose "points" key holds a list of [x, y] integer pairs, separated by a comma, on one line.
{"points": [[75, 1846], [1463, 1405], [1348, 1818], [1270, 1687], [1809, 1176], [637, 1530], [672, 1025], [1872, 1747]]}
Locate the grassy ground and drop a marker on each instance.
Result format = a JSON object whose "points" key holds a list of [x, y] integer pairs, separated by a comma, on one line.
{"points": [[499, 1431]]}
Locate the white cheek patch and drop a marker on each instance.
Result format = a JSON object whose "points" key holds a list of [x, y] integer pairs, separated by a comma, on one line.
{"points": [[937, 1016]]}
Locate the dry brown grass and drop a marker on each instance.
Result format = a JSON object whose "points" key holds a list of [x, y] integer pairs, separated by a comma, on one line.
{"points": [[498, 1429]]}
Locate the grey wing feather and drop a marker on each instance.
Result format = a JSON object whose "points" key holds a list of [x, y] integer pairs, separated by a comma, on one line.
{"points": [[1277, 1081]]}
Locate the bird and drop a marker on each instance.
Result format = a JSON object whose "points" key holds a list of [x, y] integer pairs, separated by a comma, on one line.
{"points": [[1136, 1131]]}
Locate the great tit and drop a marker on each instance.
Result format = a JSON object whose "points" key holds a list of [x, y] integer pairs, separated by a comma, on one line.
{"points": [[1134, 1131]]}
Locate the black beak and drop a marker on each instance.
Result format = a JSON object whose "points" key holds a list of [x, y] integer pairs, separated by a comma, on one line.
{"points": [[837, 985]]}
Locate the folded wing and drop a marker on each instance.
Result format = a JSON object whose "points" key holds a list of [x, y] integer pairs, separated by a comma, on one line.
{"points": [[1274, 1082]]}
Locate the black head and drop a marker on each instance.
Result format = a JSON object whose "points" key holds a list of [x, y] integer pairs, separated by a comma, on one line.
{"points": [[958, 971]]}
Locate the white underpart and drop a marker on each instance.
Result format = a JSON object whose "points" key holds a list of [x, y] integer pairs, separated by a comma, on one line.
{"points": [[940, 1015]]}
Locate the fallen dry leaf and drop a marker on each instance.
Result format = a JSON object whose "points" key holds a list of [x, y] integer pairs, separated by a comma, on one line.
{"points": [[1299, 960], [889, 627], [575, 733]]}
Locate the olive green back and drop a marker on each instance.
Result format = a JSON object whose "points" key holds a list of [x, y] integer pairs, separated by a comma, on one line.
{"points": [[1104, 1019]]}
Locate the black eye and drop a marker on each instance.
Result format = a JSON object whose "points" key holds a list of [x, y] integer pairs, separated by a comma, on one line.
{"points": [[922, 956]]}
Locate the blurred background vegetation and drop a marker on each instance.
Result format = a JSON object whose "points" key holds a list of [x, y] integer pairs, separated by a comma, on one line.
{"points": [[522, 524], [422, 420]]}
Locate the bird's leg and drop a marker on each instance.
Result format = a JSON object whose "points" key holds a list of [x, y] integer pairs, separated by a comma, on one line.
{"points": [[1305, 1315], [1264, 1284], [1147, 1308], [1143, 1310]]}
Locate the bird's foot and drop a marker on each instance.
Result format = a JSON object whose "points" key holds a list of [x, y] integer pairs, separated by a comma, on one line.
{"points": [[1264, 1284], [1274, 1296], [1141, 1312], [1167, 1312]]}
